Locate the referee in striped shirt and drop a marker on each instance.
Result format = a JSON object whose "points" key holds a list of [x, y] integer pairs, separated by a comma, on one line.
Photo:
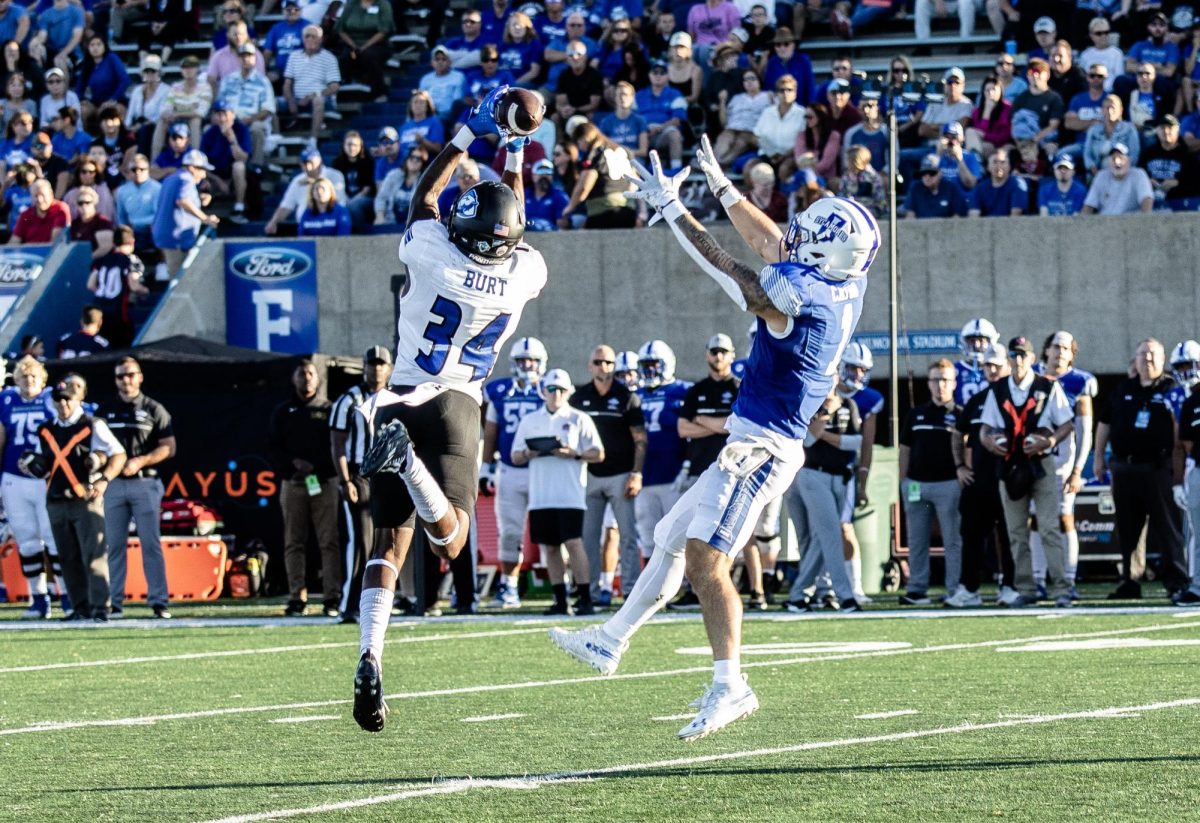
{"points": [[348, 439]]}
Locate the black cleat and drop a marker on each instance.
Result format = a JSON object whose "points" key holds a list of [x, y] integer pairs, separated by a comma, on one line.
{"points": [[370, 711], [388, 452]]}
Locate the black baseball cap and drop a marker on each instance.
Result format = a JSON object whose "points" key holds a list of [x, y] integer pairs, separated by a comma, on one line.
{"points": [[1020, 344], [381, 354], [69, 388]]}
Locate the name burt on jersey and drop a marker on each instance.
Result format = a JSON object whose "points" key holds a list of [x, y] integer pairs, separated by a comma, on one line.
{"points": [[484, 283]]}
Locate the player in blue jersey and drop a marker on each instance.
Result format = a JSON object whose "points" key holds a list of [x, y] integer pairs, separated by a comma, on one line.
{"points": [[22, 410], [1080, 387], [977, 337], [857, 363], [662, 395], [1185, 368], [509, 399], [807, 299]]}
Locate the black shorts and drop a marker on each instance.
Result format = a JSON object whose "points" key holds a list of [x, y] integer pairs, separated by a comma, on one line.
{"points": [[553, 527], [445, 435]]}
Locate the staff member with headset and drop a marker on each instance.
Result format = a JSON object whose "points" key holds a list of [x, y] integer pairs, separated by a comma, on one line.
{"points": [[1147, 469], [144, 429]]}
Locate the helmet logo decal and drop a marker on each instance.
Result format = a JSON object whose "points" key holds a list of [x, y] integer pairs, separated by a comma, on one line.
{"points": [[830, 227], [468, 204], [500, 230]]}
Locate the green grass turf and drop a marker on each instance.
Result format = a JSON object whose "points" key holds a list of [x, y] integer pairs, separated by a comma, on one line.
{"points": [[1142, 767]]}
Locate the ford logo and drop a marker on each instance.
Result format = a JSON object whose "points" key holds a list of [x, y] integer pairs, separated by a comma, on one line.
{"points": [[273, 263], [20, 267]]}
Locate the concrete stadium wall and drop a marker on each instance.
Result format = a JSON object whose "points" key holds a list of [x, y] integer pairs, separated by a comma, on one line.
{"points": [[1111, 281]]}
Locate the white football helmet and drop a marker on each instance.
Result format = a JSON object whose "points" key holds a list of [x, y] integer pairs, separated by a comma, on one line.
{"points": [[525, 349], [1185, 363], [626, 369], [857, 355], [983, 333], [834, 235], [656, 363]]}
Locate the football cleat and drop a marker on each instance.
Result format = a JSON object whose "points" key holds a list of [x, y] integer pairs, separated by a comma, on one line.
{"points": [[39, 608], [591, 646], [389, 451], [506, 598], [720, 706], [962, 599], [370, 710]]}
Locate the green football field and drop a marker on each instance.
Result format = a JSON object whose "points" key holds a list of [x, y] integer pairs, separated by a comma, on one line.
{"points": [[1092, 714]]}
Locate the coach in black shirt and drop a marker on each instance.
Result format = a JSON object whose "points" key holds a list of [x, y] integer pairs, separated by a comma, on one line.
{"points": [[616, 480], [706, 406], [1140, 426], [143, 427]]}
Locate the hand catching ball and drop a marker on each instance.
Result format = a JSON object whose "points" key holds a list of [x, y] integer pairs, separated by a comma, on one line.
{"points": [[519, 111]]}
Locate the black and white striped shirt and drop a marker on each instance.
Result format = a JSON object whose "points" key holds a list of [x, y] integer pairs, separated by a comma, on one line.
{"points": [[311, 73]]}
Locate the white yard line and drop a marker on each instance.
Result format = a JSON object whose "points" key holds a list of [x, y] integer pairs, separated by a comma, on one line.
{"points": [[886, 715], [48, 726], [125, 661], [308, 718], [488, 718], [675, 717], [538, 781]]}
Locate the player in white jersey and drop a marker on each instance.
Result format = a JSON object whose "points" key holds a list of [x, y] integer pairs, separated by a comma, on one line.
{"points": [[467, 286], [976, 337], [807, 299]]}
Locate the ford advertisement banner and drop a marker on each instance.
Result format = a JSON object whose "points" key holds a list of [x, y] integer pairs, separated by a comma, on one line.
{"points": [[19, 267], [271, 296]]}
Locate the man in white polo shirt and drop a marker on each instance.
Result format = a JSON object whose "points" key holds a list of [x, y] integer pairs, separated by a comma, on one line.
{"points": [[556, 441]]}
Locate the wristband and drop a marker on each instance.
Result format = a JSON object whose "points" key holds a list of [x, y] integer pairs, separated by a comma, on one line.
{"points": [[730, 196], [672, 210], [463, 139], [514, 161]]}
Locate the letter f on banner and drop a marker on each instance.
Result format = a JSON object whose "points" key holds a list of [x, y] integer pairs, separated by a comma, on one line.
{"points": [[264, 324]]}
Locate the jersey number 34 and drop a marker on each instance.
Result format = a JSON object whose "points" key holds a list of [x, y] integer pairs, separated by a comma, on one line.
{"points": [[479, 353]]}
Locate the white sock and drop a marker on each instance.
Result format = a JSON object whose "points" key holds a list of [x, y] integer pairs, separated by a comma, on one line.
{"points": [[854, 572], [37, 584], [727, 672], [606, 580], [1071, 554], [513, 581], [658, 583], [374, 612], [427, 496], [1038, 556]]}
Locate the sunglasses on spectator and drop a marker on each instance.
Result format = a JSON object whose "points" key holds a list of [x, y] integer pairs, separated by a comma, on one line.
{"points": [[1101, 31], [87, 202], [126, 374], [141, 168], [1005, 63], [930, 172], [53, 81], [1097, 76], [489, 59], [717, 352], [556, 389], [574, 25], [604, 362], [785, 88], [472, 21], [1145, 73], [621, 31], [899, 70]]}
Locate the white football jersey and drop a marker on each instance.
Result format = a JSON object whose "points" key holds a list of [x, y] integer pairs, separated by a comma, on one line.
{"points": [[456, 313]]}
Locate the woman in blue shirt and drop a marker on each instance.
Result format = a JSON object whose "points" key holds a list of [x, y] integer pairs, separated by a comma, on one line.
{"points": [[102, 77], [324, 216], [521, 51], [19, 136], [423, 127]]}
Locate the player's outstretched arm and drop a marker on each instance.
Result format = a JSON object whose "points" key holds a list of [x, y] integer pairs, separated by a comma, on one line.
{"points": [[758, 230], [437, 176], [514, 163]]}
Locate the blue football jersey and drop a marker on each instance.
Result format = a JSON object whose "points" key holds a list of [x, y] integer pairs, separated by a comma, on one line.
{"points": [[510, 403], [788, 378], [970, 381], [869, 402], [665, 449], [1175, 398], [739, 368], [21, 418]]}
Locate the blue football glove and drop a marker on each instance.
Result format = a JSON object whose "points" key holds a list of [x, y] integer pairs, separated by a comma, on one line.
{"points": [[514, 142], [483, 116]]}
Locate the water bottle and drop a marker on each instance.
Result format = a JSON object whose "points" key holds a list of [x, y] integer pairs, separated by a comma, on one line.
{"points": [[1010, 47]]}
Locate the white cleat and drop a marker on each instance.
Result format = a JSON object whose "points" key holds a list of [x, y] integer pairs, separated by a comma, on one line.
{"points": [[721, 706], [591, 646], [699, 701], [963, 599]]}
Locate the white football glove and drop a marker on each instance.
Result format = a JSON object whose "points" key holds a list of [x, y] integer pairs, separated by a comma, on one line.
{"points": [[706, 161], [1180, 495], [656, 188]]}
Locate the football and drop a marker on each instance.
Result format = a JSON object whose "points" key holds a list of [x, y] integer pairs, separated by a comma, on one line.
{"points": [[520, 111]]}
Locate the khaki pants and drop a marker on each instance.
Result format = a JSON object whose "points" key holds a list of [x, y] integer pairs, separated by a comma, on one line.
{"points": [[304, 514], [78, 527], [1016, 516]]}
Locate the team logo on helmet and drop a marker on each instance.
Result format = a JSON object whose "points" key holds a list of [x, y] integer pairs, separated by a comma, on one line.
{"points": [[830, 227], [468, 205]]}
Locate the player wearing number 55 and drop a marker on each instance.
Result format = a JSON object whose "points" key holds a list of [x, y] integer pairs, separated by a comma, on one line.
{"points": [[467, 285]]}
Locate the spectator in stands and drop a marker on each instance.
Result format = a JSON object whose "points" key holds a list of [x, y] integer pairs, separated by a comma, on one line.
{"points": [[1045, 34], [53, 168], [285, 37], [934, 197], [1101, 51], [465, 50], [15, 149], [1065, 195], [683, 72], [555, 53], [387, 153], [170, 22], [991, 122], [14, 59], [665, 111], [137, 200], [1173, 170], [311, 81], [956, 107], [14, 22], [15, 99], [724, 81], [842, 113], [396, 190], [187, 102], [841, 67], [763, 192], [1191, 125], [1111, 129], [324, 216], [250, 96], [226, 144], [102, 78], [58, 35], [230, 13], [818, 146], [709, 23], [520, 50], [959, 165], [1006, 74], [657, 41], [146, 103], [70, 142], [88, 226], [1156, 49], [57, 97], [295, 198], [1038, 111], [1000, 194], [861, 182], [623, 125], [422, 128], [786, 59], [738, 115], [552, 22], [179, 219], [966, 10], [110, 176], [298, 434], [759, 37], [227, 60], [1084, 110], [910, 109], [565, 158], [779, 126], [89, 175], [545, 202], [1120, 188], [929, 482], [494, 16], [171, 158], [86, 340], [444, 85], [598, 191], [609, 58], [485, 77], [1149, 98], [1067, 79], [358, 170], [18, 193], [116, 142], [580, 87], [1190, 70], [363, 30], [116, 277], [871, 133]]}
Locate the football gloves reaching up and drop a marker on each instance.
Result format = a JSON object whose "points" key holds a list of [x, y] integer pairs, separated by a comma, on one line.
{"points": [[657, 188], [706, 161]]}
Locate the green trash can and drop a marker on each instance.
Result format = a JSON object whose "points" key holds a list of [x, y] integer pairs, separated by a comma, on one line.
{"points": [[872, 523]]}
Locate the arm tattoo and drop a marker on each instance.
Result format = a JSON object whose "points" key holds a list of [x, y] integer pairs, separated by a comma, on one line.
{"points": [[745, 277]]}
